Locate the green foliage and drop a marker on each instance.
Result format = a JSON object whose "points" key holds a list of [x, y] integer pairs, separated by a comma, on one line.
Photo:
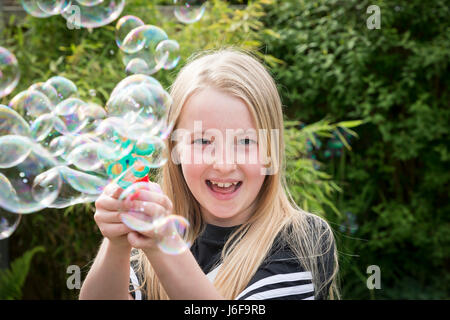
{"points": [[311, 188], [91, 59], [12, 280], [395, 181]]}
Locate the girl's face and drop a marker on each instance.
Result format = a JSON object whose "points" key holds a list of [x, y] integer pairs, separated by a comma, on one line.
{"points": [[219, 156]]}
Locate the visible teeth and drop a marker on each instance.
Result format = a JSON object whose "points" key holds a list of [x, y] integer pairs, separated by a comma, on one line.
{"points": [[224, 185]]}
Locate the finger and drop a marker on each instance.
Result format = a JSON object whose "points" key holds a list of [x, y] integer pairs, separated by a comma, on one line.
{"points": [[115, 230], [105, 216], [158, 198], [108, 203], [139, 241], [113, 190], [150, 208]]}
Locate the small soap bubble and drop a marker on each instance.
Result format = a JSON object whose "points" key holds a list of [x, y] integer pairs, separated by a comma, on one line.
{"points": [[32, 103], [8, 223], [189, 11], [9, 72], [134, 212], [138, 66], [174, 235], [63, 86], [150, 36], [42, 126], [167, 54], [123, 27], [94, 14], [47, 90], [92, 92]]}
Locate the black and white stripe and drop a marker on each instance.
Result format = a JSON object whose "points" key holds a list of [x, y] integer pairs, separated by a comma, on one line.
{"points": [[134, 285], [296, 285]]}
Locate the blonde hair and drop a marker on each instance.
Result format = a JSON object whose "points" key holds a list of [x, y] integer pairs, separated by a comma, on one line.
{"points": [[275, 213]]}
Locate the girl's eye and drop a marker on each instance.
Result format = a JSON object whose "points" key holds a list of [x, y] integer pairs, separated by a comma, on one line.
{"points": [[247, 141], [201, 141]]}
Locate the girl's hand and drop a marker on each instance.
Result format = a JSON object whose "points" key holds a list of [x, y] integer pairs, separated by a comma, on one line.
{"points": [[153, 204], [107, 217]]}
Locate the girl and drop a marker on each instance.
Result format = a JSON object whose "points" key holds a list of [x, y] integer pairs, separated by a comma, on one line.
{"points": [[249, 239]]}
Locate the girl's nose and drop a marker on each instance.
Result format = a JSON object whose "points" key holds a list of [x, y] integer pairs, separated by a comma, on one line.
{"points": [[225, 161]]}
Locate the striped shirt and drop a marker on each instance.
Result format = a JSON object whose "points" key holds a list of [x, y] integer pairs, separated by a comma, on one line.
{"points": [[279, 277]]}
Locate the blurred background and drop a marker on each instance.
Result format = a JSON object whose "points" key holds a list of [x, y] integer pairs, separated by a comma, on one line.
{"points": [[367, 116]]}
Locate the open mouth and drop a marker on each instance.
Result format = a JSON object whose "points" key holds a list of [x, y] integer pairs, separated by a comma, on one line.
{"points": [[224, 188]]}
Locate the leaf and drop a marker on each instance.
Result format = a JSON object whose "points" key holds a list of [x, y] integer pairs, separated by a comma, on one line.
{"points": [[12, 280]]}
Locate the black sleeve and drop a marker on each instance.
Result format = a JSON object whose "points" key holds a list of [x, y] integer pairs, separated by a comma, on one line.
{"points": [[280, 277]]}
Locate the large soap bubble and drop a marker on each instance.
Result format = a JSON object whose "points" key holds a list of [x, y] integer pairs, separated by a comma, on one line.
{"points": [[9, 72]]}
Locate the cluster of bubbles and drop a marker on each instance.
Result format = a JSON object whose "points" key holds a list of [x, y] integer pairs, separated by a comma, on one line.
{"points": [[146, 48], [57, 150], [80, 13], [96, 13], [9, 72]]}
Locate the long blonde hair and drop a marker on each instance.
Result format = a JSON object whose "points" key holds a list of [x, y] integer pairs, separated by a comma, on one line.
{"points": [[275, 213]]}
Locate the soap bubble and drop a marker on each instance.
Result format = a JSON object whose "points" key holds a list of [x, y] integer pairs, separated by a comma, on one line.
{"points": [[77, 187], [11, 123], [63, 86], [32, 103], [152, 149], [49, 91], [60, 145], [94, 14], [53, 7], [69, 113], [142, 105], [85, 157], [13, 150], [123, 27], [138, 66], [83, 182], [32, 8], [167, 54], [42, 126], [8, 223], [9, 72], [189, 11], [150, 36], [18, 186], [136, 214], [174, 235], [89, 3]]}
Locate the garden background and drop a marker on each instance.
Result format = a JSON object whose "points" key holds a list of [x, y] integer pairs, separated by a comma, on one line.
{"points": [[367, 116]]}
